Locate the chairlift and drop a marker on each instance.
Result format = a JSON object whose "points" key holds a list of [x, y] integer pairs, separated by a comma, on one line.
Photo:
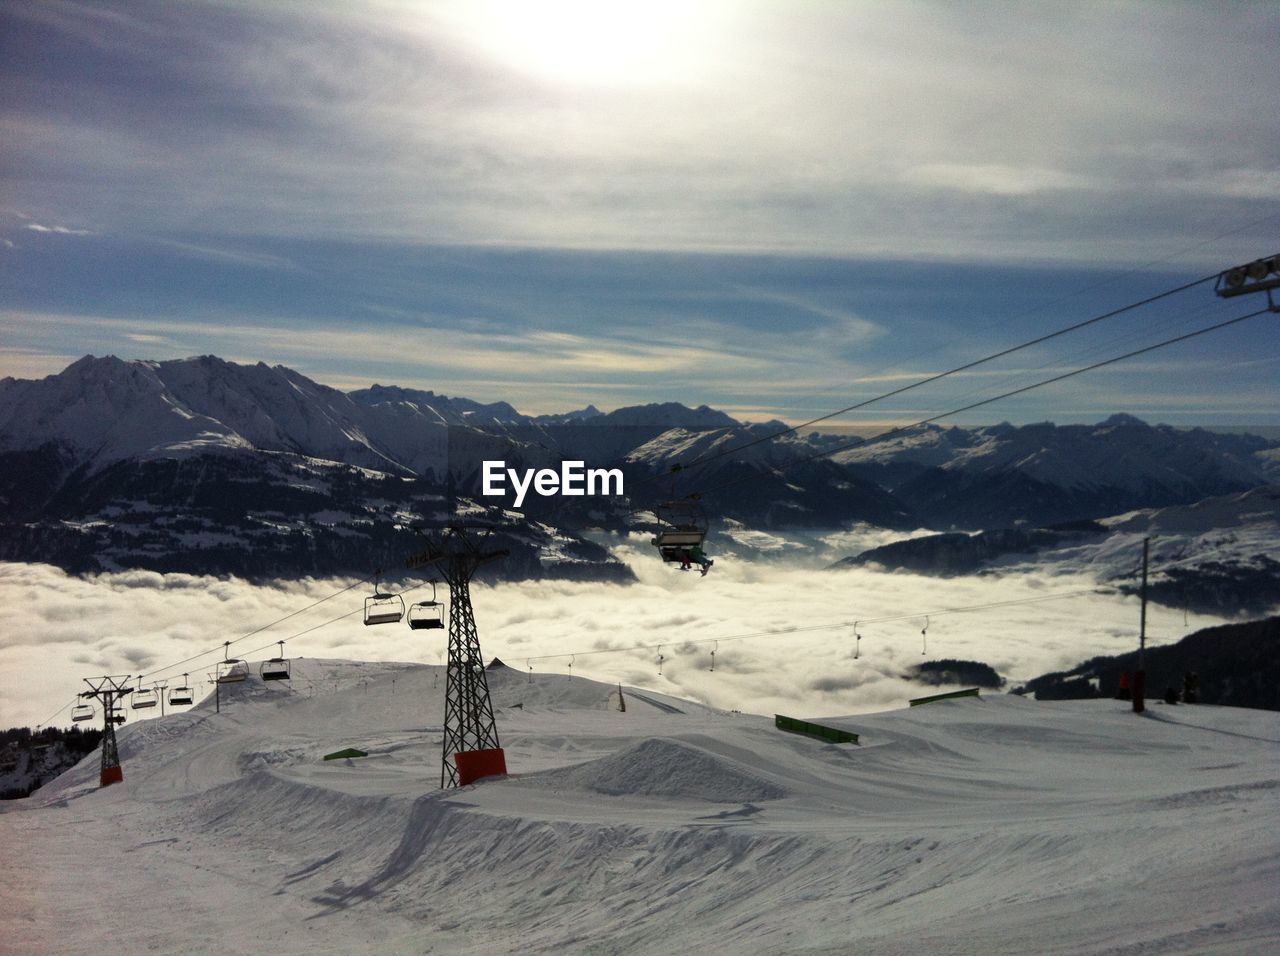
{"points": [[231, 670], [181, 696], [82, 712], [682, 526], [236, 671], [426, 615], [143, 698], [275, 669], [383, 607], [117, 715]]}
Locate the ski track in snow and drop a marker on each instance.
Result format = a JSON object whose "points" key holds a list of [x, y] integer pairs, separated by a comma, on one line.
{"points": [[992, 825]]}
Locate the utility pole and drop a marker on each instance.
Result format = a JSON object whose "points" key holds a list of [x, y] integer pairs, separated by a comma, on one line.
{"points": [[217, 691], [109, 690], [1140, 675], [470, 732]]}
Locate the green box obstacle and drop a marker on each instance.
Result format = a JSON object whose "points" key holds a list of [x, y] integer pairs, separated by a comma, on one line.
{"points": [[969, 692], [830, 734], [341, 754]]}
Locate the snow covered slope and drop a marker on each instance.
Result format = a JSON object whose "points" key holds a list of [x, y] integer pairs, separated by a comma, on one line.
{"points": [[1221, 554], [995, 825]]}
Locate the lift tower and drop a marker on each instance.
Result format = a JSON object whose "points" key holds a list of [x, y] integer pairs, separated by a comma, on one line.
{"points": [[470, 733], [1260, 275], [109, 690]]}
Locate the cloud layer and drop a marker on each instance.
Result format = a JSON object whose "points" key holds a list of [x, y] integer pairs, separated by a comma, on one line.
{"points": [[782, 635]]}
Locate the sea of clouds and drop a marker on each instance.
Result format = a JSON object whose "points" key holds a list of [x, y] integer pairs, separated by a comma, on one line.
{"points": [[781, 629]]}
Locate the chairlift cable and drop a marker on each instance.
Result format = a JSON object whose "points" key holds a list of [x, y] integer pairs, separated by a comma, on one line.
{"points": [[1009, 351], [1185, 321], [826, 453], [257, 630], [54, 715], [332, 620], [704, 459]]}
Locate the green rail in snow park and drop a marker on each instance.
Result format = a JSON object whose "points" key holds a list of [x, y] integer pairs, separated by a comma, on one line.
{"points": [[969, 692], [830, 734]]}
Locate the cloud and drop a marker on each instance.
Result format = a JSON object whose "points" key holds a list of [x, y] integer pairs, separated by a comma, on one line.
{"points": [[782, 632], [57, 230], [146, 338], [994, 178], [830, 133], [238, 257]]}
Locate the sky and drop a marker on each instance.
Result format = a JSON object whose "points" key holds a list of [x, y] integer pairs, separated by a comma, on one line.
{"points": [[777, 209]]}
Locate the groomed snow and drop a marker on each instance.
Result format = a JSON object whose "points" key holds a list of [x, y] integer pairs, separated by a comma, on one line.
{"points": [[993, 825]]}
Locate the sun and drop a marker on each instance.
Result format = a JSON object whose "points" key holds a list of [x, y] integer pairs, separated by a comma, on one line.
{"points": [[605, 42]]}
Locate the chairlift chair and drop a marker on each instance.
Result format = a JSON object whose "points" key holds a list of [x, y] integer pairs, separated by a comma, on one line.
{"points": [[426, 615], [682, 526], [382, 607], [82, 712], [143, 698], [275, 669], [231, 670], [181, 696], [117, 715], [235, 671]]}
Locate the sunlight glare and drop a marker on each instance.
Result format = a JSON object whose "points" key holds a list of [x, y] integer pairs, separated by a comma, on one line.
{"points": [[597, 41]]}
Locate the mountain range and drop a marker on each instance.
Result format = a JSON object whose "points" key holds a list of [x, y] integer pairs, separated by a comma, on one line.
{"points": [[210, 466]]}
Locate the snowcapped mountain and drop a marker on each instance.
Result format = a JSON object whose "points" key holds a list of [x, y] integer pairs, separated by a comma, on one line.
{"points": [[992, 825], [1220, 555], [667, 415], [570, 418], [209, 466], [99, 450], [1120, 452], [107, 410], [1044, 473]]}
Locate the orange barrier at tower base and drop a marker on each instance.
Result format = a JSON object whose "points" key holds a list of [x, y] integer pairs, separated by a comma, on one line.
{"points": [[475, 764], [111, 775]]}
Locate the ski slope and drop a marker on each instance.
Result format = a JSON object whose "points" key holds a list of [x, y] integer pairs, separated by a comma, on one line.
{"points": [[993, 825]]}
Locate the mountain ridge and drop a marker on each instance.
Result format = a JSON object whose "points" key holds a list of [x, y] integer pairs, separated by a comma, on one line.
{"points": [[88, 447]]}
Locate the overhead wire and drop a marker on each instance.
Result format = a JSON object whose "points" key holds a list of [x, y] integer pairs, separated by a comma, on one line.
{"points": [[709, 457], [256, 630], [332, 620], [1022, 376], [54, 715], [1080, 325], [827, 452]]}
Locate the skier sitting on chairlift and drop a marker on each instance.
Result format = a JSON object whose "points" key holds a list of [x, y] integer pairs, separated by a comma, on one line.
{"points": [[695, 554]]}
